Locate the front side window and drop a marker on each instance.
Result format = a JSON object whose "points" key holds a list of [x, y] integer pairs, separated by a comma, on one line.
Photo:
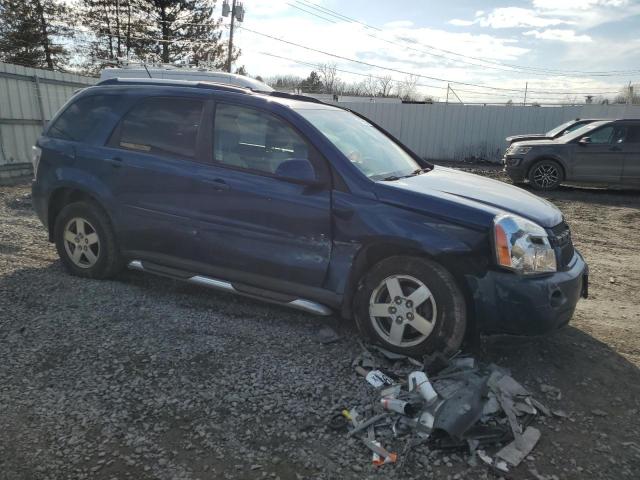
{"points": [[248, 138], [162, 126], [370, 150], [604, 135], [83, 116]]}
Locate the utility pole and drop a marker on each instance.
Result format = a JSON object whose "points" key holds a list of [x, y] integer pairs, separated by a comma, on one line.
{"points": [[447, 100], [526, 87], [237, 13], [630, 97]]}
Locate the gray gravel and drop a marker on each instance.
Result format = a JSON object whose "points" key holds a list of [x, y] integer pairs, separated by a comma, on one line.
{"points": [[143, 377]]}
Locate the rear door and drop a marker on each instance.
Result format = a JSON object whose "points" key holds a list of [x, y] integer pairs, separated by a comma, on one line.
{"points": [[631, 170], [154, 155], [254, 217], [601, 160]]}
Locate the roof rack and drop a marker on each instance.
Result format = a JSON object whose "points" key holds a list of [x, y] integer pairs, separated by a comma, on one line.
{"points": [[178, 83], [207, 85]]}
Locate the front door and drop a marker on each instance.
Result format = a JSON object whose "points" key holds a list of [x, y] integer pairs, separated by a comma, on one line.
{"points": [[253, 216], [601, 159]]}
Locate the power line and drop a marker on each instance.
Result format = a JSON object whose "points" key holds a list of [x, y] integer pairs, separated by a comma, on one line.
{"points": [[474, 93], [428, 77], [547, 71]]}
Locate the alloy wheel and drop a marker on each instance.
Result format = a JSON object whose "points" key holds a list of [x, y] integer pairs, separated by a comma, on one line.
{"points": [[546, 175], [81, 242], [402, 310]]}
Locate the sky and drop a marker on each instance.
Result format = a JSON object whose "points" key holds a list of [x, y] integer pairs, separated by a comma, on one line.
{"points": [[563, 49]]}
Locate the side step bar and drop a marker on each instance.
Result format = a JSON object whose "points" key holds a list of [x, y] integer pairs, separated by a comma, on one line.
{"points": [[224, 286]]}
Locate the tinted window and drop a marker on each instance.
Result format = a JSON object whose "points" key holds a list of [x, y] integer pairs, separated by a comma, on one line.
{"points": [[603, 135], [248, 138], [81, 118], [633, 134], [162, 126]]}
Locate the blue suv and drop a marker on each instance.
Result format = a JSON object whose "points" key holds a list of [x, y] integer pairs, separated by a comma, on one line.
{"points": [[296, 202]]}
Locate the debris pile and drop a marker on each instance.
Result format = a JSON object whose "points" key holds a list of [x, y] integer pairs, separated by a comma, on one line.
{"points": [[443, 404]]}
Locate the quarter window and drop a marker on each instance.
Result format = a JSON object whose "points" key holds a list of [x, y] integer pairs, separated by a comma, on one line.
{"points": [[162, 126], [248, 138], [83, 116]]}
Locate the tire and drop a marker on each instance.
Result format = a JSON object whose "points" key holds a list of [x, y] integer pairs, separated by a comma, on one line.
{"points": [[99, 255], [545, 175], [443, 307]]}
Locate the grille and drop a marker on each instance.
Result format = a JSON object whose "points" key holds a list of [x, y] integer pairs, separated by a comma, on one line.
{"points": [[560, 238]]}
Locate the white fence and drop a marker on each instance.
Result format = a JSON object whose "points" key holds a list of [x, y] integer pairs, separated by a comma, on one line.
{"points": [[474, 132], [28, 98]]}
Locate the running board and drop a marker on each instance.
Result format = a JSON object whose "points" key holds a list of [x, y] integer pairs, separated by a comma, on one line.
{"points": [[224, 286]]}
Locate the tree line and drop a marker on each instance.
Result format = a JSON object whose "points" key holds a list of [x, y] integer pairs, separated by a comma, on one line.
{"points": [[86, 35], [325, 79]]}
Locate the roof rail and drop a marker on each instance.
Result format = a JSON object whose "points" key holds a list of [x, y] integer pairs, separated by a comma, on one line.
{"points": [[293, 96], [204, 84], [178, 83]]}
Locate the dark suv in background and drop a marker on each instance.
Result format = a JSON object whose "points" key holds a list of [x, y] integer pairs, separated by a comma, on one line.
{"points": [[605, 153], [302, 204], [554, 133]]}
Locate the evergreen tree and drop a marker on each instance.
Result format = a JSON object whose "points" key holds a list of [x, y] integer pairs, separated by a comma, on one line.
{"points": [[186, 31], [32, 32], [116, 29], [311, 84]]}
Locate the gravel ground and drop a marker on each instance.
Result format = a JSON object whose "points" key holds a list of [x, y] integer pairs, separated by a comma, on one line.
{"points": [[144, 377]]}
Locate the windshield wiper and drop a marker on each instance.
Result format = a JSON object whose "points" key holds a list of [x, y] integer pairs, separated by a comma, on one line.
{"points": [[391, 178], [419, 171]]}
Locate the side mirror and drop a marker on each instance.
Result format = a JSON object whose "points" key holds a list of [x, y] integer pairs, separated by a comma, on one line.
{"points": [[298, 170], [584, 141]]}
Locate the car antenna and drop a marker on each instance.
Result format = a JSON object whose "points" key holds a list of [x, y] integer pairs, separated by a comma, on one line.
{"points": [[145, 67]]}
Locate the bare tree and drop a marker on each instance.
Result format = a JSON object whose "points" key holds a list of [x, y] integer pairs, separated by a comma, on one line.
{"points": [[385, 84], [407, 89], [369, 86], [329, 77]]}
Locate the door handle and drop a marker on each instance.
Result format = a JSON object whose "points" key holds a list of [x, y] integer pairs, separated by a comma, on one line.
{"points": [[116, 162], [219, 185]]}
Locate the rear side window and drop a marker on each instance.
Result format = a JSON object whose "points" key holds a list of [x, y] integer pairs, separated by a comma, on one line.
{"points": [[82, 117], [633, 134], [161, 126]]}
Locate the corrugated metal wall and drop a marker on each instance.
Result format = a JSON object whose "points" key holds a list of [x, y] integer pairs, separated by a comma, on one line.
{"points": [[437, 132], [27, 96], [463, 132]]}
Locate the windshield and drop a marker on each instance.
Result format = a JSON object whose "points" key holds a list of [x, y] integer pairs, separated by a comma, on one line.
{"points": [[581, 131], [370, 150], [560, 128]]}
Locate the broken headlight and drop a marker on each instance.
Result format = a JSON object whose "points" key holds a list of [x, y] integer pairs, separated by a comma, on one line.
{"points": [[522, 245]]}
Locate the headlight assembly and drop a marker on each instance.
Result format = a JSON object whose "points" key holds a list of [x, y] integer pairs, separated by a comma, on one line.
{"points": [[522, 245], [520, 150]]}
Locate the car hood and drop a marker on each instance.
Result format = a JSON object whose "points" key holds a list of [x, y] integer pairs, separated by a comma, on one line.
{"points": [[538, 142], [530, 136], [471, 191]]}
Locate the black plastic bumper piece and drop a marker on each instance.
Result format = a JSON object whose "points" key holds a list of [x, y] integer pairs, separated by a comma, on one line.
{"points": [[505, 302]]}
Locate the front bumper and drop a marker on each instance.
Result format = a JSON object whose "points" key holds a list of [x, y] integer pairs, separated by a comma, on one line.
{"points": [[517, 173], [39, 201], [508, 303]]}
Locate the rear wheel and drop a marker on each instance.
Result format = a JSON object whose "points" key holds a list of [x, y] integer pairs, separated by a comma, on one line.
{"points": [[545, 175], [411, 305], [86, 242]]}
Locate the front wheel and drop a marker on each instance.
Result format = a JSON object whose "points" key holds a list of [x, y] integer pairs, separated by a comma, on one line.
{"points": [[412, 306], [545, 175]]}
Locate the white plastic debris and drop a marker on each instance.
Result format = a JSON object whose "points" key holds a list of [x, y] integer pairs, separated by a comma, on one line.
{"points": [[420, 382]]}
